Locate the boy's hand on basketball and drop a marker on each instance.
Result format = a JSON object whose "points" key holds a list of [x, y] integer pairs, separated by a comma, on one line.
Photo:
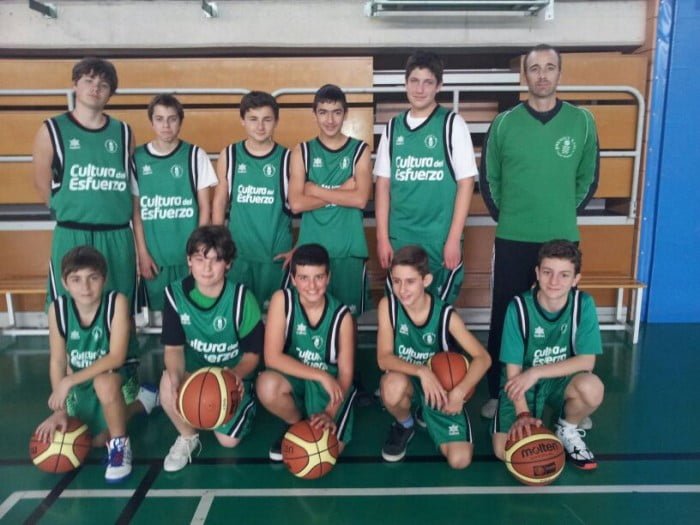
{"points": [[286, 258], [452, 254], [57, 399], [521, 383], [57, 420], [435, 394], [521, 427], [239, 383], [323, 421], [384, 253], [455, 402]]}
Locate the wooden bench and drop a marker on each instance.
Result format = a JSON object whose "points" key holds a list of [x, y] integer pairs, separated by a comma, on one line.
{"points": [[30, 285]]}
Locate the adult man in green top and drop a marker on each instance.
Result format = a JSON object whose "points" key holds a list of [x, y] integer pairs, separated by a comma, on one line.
{"points": [[81, 170], [539, 166]]}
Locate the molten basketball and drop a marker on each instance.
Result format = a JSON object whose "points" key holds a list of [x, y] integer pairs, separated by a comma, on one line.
{"points": [[537, 459], [450, 368], [65, 452], [308, 452], [209, 398]]}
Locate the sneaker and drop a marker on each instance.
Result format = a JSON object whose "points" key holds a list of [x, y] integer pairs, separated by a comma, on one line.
{"points": [[394, 448], [586, 423], [275, 452], [118, 460], [488, 410], [149, 398], [418, 418], [576, 449], [181, 453]]}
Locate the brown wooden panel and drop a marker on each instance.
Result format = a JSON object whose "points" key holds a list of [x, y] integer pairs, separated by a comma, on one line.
{"points": [[608, 250], [615, 177], [17, 130], [17, 185], [616, 125], [24, 253]]}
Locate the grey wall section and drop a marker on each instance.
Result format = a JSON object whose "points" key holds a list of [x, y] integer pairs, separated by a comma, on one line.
{"points": [[281, 24]]}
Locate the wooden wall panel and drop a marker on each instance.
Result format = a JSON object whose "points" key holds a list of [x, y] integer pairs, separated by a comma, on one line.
{"points": [[616, 125], [615, 177]]}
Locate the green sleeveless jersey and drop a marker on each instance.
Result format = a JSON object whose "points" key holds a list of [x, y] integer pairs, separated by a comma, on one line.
{"points": [[416, 344], [212, 334], [168, 200], [260, 220], [338, 228], [315, 346], [534, 337], [423, 185], [91, 177]]}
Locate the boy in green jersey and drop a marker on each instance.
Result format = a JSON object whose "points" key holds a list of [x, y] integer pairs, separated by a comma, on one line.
{"points": [[413, 326], [173, 179], [209, 321], [329, 185], [550, 342], [91, 376], [309, 351], [252, 194]]}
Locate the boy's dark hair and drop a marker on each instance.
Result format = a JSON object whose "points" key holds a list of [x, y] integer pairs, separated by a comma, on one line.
{"points": [[310, 255], [561, 249], [330, 93], [413, 256], [217, 238], [167, 100], [425, 60], [82, 257], [541, 47], [98, 67], [259, 99]]}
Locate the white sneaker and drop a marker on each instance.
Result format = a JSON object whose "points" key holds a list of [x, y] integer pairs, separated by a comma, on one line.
{"points": [[118, 459], [576, 449], [489, 408], [181, 453], [586, 423], [149, 397]]}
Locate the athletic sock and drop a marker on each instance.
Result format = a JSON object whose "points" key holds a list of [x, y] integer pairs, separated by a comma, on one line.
{"points": [[408, 422], [564, 423]]}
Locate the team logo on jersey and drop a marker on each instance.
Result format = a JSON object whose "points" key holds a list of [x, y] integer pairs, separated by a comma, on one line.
{"points": [[74, 335], [111, 146], [74, 144], [242, 168], [301, 329], [565, 147], [317, 340], [403, 329], [453, 430], [97, 333], [219, 323], [185, 319], [317, 162], [429, 338], [176, 171], [430, 141], [400, 140], [269, 170], [345, 163], [539, 332], [147, 170]]}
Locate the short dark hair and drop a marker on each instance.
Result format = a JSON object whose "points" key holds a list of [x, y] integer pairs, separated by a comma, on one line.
{"points": [[310, 255], [93, 66], [212, 237], [169, 101], [259, 99], [538, 48], [561, 249], [425, 60], [82, 257], [330, 93], [413, 256]]}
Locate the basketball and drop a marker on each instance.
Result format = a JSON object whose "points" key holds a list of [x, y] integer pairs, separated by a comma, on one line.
{"points": [[537, 459], [209, 398], [308, 452], [450, 368], [65, 452]]}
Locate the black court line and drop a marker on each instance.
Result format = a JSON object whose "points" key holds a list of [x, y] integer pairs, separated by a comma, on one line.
{"points": [[140, 493], [51, 497]]}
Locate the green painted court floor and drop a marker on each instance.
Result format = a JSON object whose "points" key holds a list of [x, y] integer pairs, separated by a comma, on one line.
{"points": [[644, 436]]}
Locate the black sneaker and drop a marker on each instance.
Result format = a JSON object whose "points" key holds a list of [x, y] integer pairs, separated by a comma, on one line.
{"points": [[418, 418], [394, 448], [275, 452]]}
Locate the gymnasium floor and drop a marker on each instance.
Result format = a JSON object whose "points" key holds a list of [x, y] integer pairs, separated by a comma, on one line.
{"points": [[645, 436]]}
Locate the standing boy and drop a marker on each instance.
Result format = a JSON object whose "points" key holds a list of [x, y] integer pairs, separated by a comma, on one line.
{"points": [[330, 184], [425, 171], [88, 335], [173, 179], [309, 351], [81, 171], [550, 342], [413, 326], [253, 185], [209, 321]]}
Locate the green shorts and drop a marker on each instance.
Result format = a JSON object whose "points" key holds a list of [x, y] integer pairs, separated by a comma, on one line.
{"points": [[545, 392], [442, 428], [82, 401], [117, 246], [349, 283], [310, 398], [242, 420], [262, 279], [151, 291]]}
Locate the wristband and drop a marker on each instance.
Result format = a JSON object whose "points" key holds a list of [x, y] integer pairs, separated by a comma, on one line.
{"points": [[524, 414]]}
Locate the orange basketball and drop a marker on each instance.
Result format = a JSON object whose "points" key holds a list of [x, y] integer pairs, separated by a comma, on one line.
{"points": [[65, 452], [308, 452], [209, 398], [537, 459], [450, 368]]}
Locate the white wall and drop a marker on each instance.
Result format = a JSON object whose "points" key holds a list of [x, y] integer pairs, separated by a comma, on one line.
{"points": [[280, 24]]}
